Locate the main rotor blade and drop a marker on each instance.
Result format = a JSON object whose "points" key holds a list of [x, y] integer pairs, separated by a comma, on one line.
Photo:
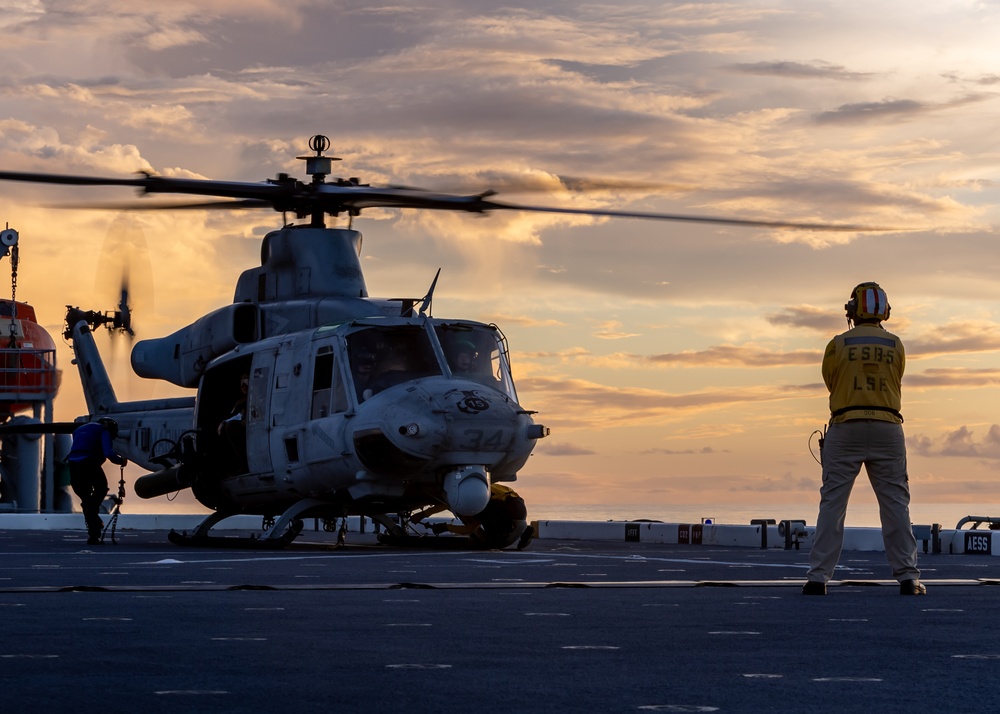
{"points": [[68, 180], [843, 227], [552, 183], [141, 205], [358, 198], [270, 192], [286, 194]]}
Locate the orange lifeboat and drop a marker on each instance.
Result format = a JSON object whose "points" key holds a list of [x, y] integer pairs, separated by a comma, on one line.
{"points": [[28, 374]]}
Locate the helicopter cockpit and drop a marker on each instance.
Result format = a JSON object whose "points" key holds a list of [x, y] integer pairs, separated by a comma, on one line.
{"points": [[382, 357]]}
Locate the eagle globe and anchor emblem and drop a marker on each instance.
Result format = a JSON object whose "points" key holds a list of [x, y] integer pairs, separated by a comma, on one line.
{"points": [[472, 403]]}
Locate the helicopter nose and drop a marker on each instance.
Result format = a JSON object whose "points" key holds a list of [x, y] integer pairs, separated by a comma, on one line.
{"points": [[467, 490]]}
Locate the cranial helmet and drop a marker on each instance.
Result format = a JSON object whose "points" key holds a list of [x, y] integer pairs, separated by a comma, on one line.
{"points": [[868, 302], [465, 346], [110, 424]]}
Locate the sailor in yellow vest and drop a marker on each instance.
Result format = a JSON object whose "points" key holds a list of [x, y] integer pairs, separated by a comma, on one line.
{"points": [[863, 368], [502, 523]]}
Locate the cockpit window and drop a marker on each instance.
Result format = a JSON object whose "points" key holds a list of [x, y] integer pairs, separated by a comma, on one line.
{"points": [[474, 352], [382, 357]]}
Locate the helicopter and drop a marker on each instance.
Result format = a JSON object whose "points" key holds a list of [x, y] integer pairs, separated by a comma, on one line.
{"points": [[312, 398]]}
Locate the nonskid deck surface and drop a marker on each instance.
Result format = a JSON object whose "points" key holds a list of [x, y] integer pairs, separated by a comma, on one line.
{"points": [[568, 625]]}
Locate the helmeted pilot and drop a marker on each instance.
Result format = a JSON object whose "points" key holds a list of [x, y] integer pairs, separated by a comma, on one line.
{"points": [[863, 369], [462, 357]]}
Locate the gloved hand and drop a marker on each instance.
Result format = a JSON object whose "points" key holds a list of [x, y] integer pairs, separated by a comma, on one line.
{"points": [[439, 528], [124, 462]]}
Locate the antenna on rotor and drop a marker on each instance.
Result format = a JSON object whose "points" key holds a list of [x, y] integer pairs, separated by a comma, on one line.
{"points": [[319, 166]]}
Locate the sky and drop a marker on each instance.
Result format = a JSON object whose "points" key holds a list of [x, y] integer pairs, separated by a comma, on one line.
{"points": [[675, 363]]}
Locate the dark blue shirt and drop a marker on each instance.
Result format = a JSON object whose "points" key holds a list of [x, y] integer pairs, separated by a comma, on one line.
{"points": [[92, 442]]}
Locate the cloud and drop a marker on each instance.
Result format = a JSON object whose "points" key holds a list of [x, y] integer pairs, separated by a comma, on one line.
{"points": [[960, 377], [817, 69], [565, 354], [955, 337], [89, 151], [985, 80], [961, 442], [735, 355], [563, 449], [611, 330], [20, 12], [812, 318], [577, 403], [684, 452], [525, 320], [890, 110]]}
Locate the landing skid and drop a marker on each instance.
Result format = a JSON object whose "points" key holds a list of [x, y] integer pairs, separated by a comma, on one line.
{"points": [[285, 529], [251, 543]]}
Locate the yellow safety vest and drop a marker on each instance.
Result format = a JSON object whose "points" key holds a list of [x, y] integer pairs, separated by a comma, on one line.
{"points": [[863, 368]]}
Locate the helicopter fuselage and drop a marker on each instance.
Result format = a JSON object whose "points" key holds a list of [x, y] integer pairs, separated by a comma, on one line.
{"points": [[371, 415], [311, 396]]}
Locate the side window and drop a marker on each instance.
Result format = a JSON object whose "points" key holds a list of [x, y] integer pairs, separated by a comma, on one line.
{"points": [[328, 395]]}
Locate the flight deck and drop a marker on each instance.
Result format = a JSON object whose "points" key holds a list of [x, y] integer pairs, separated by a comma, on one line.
{"points": [[570, 625]]}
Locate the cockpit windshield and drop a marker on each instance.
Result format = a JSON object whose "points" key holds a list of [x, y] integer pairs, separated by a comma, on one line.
{"points": [[382, 357], [385, 356], [474, 352]]}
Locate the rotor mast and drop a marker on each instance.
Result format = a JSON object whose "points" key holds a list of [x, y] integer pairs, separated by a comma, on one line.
{"points": [[319, 167]]}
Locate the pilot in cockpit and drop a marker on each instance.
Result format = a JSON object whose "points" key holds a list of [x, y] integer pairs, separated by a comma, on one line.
{"points": [[462, 357], [362, 365]]}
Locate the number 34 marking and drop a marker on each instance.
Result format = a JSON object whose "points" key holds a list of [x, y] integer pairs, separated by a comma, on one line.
{"points": [[481, 440]]}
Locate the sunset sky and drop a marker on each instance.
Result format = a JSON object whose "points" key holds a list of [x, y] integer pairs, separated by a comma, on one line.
{"points": [[675, 363]]}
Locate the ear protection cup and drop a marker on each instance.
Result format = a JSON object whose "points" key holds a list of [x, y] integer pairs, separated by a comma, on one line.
{"points": [[110, 424], [868, 302]]}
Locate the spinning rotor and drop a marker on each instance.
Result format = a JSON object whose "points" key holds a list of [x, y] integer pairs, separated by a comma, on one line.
{"points": [[319, 197]]}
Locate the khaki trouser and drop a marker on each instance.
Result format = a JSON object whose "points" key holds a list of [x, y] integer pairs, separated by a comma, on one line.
{"points": [[881, 447]]}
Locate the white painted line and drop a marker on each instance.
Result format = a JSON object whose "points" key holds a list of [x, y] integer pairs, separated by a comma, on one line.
{"points": [[418, 666], [733, 632], [30, 656], [546, 614], [976, 656]]}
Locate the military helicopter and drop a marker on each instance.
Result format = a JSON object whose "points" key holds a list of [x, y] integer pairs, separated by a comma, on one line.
{"points": [[314, 399]]}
